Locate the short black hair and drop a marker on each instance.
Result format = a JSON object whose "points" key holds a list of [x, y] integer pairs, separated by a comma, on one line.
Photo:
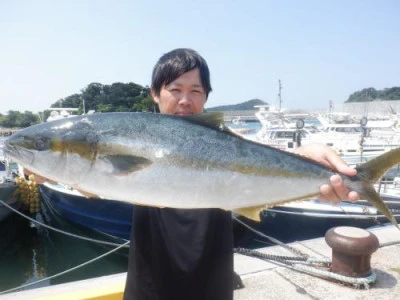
{"points": [[177, 62]]}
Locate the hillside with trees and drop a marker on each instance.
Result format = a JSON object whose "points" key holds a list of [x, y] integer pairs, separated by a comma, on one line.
{"points": [[133, 97], [16, 119], [117, 97], [371, 94], [247, 105]]}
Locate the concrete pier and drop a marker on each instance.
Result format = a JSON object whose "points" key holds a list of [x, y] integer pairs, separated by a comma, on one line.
{"points": [[262, 279]]}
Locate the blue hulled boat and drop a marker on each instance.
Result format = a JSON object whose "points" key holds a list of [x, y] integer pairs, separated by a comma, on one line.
{"points": [[106, 216], [114, 218]]}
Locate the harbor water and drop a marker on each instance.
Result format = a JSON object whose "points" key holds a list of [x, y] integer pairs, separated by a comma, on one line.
{"points": [[30, 252]]}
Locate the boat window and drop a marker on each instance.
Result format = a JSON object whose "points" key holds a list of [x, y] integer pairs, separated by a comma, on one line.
{"points": [[303, 133], [311, 130], [280, 134], [284, 134], [289, 134], [348, 129]]}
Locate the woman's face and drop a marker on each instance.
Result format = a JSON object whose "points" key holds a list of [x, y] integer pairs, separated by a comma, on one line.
{"points": [[185, 95]]}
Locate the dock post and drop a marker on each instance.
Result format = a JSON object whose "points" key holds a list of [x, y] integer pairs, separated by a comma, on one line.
{"points": [[351, 250]]}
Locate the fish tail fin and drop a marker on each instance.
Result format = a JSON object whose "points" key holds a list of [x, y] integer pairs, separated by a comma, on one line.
{"points": [[373, 197], [370, 172], [375, 168]]}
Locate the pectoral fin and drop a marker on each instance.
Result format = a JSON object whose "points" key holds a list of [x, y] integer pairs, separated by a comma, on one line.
{"points": [[125, 164]]}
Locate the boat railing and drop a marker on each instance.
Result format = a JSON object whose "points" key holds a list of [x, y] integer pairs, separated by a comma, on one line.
{"points": [[386, 186]]}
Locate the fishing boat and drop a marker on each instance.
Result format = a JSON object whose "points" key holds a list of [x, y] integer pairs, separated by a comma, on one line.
{"points": [[281, 129], [238, 121], [114, 218], [389, 190], [345, 139], [8, 196], [110, 217], [8, 189], [64, 112], [360, 214]]}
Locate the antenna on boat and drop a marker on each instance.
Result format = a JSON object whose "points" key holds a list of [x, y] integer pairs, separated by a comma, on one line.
{"points": [[279, 95], [83, 105]]}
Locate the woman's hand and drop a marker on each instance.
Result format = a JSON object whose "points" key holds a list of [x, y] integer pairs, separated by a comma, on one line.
{"points": [[336, 191]]}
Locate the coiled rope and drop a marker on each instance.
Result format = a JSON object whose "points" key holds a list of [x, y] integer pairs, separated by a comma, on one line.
{"points": [[304, 263]]}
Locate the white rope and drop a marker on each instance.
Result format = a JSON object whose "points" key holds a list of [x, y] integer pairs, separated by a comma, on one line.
{"points": [[307, 268], [355, 281], [291, 249], [66, 271], [319, 260], [118, 246], [58, 230]]}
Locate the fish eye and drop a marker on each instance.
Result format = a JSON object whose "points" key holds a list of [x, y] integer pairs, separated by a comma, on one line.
{"points": [[42, 144]]}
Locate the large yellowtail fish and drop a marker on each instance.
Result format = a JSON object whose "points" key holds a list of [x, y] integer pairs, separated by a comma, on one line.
{"points": [[181, 162]]}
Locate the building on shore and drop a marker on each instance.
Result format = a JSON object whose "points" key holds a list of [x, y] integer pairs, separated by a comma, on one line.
{"points": [[8, 131], [373, 109], [243, 115]]}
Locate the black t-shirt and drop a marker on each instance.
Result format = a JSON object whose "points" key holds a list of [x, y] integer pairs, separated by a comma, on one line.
{"points": [[180, 254]]}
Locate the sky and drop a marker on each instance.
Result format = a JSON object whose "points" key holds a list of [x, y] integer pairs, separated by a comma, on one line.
{"points": [[320, 50]]}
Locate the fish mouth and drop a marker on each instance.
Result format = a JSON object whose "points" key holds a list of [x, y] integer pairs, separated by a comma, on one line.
{"points": [[19, 154]]}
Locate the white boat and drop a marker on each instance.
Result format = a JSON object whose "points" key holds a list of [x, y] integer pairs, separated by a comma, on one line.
{"points": [[299, 220], [304, 219], [283, 138], [312, 214], [385, 123], [279, 130], [344, 210], [238, 121], [63, 112], [389, 190], [60, 113], [8, 188], [8, 196]]}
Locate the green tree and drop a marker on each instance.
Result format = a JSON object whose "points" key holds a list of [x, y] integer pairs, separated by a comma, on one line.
{"points": [[29, 119], [371, 94]]}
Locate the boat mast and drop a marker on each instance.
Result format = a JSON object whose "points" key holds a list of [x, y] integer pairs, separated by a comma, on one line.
{"points": [[279, 95], [83, 105]]}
